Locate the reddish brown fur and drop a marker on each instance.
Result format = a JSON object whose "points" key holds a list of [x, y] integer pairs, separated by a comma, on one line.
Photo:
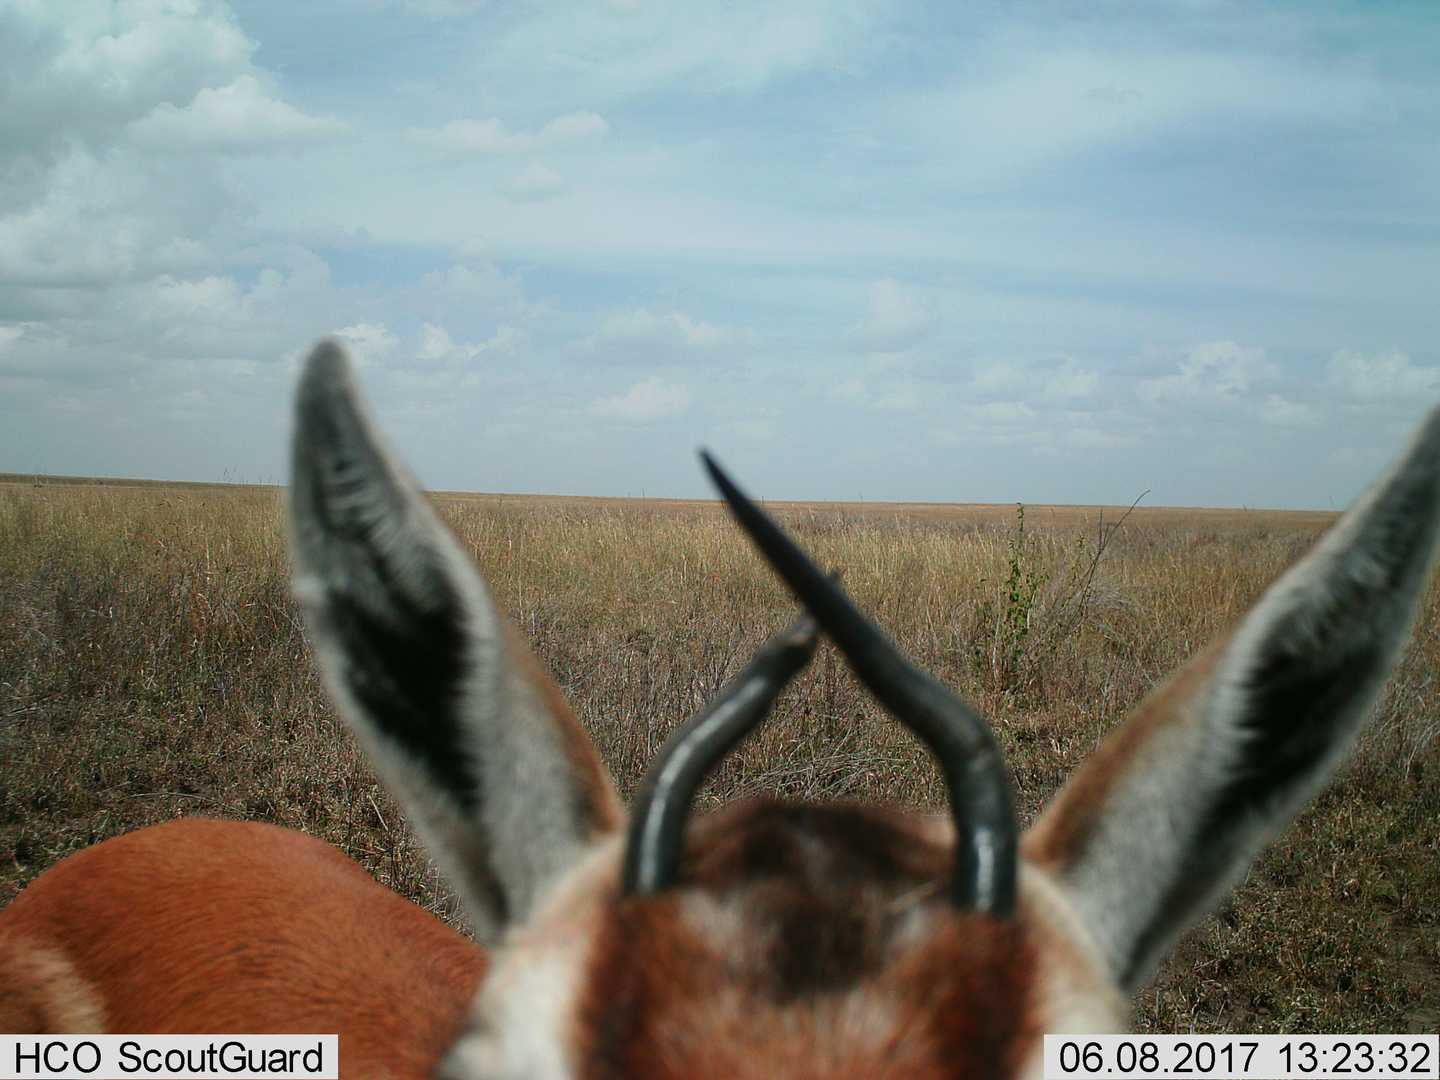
{"points": [[800, 941], [844, 959], [42, 991], [223, 926]]}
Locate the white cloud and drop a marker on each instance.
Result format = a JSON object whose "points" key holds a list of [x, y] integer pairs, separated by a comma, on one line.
{"points": [[649, 399], [438, 350], [685, 49], [103, 219], [1011, 379], [1282, 412], [885, 386], [238, 116], [212, 299], [444, 9], [1387, 376], [1001, 412], [368, 342], [897, 319], [480, 289], [93, 88], [84, 68], [997, 391], [1026, 103], [994, 423], [217, 316], [576, 125], [491, 137], [713, 191], [435, 344], [999, 377], [533, 183], [1069, 382], [483, 280], [1219, 370], [649, 332]]}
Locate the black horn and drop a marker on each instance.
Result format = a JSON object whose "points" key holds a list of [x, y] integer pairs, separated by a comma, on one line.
{"points": [[981, 803], [657, 822]]}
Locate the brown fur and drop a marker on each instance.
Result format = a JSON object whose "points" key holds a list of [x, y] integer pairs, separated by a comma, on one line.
{"points": [[806, 941], [223, 926], [802, 940], [42, 993], [799, 940]]}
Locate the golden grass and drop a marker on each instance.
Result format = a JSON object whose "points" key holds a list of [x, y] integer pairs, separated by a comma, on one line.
{"points": [[152, 664]]}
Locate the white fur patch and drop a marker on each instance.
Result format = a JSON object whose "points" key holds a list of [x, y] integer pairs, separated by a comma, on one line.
{"points": [[523, 1012]]}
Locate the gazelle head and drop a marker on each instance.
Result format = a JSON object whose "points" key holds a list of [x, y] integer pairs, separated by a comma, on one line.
{"points": [[788, 939]]}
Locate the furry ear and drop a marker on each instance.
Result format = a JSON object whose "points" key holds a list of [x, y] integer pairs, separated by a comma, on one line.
{"points": [[1174, 805], [456, 713]]}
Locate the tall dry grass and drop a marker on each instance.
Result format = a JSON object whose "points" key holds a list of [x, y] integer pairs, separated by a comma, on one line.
{"points": [[152, 664]]}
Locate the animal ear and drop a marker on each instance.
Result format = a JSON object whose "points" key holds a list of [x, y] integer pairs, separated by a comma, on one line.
{"points": [[1173, 806], [456, 713]]}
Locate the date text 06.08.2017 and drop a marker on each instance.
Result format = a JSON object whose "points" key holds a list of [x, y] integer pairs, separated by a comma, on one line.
{"points": [[1242, 1057]]}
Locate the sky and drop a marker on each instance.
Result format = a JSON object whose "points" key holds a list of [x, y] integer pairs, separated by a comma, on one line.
{"points": [[975, 252]]}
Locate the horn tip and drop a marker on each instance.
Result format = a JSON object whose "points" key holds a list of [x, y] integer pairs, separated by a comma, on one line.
{"points": [[717, 474], [729, 491]]}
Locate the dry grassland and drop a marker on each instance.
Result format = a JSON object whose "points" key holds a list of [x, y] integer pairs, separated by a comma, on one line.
{"points": [[152, 665]]}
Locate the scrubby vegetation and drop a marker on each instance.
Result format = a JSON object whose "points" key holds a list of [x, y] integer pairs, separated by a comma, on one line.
{"points": [[152, 664]]}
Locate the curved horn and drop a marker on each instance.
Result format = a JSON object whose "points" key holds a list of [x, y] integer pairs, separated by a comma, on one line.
{"points": [[980, 798], [657, 823]]}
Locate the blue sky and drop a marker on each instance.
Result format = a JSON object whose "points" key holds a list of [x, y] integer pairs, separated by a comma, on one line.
{"points": [[1055, 252]]}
